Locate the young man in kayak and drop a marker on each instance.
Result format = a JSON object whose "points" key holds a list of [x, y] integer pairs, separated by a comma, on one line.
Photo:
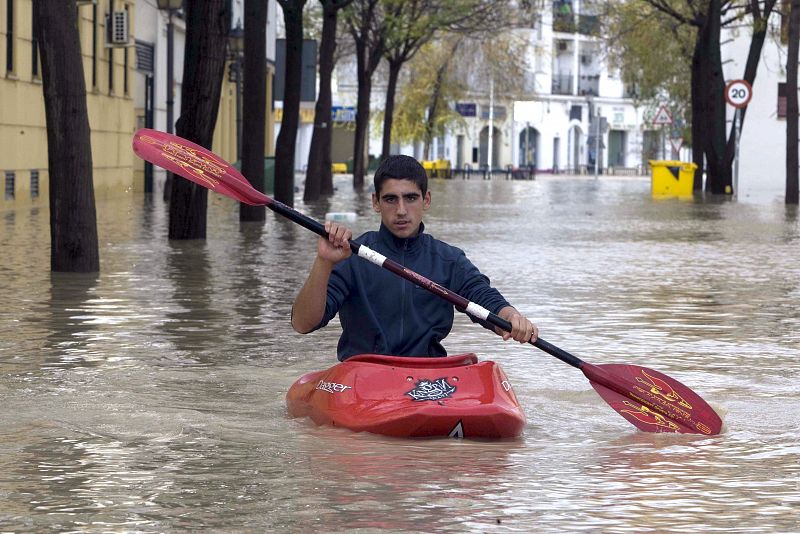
{"points": [[380, 312]]}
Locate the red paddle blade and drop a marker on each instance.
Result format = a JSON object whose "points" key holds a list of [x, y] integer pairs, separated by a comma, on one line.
{"points": [[195, 163], [652, 401]]}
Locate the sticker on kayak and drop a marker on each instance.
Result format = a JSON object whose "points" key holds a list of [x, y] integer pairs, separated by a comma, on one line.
{"points": [[332, 387], [431, 390], [458, 431]]}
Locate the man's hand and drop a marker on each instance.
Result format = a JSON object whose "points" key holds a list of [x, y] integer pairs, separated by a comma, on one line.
{"points": [[522, 329], [337, 247]]}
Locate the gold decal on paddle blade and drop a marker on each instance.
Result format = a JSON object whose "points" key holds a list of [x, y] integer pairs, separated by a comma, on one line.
{"points": [[205, 167], [648, 416], [662, 388]]}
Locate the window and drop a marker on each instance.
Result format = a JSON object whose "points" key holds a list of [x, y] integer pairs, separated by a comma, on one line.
{"points": [[9, 185], [145, 54], [10, 36], [782, 100], [34, 184]]}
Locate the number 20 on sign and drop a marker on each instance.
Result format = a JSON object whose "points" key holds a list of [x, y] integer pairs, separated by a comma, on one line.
{"points": [[738, 93]]}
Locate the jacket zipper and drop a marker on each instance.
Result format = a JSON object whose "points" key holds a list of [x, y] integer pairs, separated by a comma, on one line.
{"points": [[403, 290]]}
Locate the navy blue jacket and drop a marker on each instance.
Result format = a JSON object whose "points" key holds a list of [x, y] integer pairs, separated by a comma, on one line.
{"points": [[382, 313]]}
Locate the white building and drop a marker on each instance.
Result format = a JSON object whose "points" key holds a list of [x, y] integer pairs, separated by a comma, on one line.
{"points": [[573, 95]]}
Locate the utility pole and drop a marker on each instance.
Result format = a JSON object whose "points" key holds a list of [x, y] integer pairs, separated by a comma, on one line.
{"points": [[597, 142]]}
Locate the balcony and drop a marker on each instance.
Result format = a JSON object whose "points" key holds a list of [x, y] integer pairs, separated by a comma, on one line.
{"points": [[589, 25], [565, 21]]}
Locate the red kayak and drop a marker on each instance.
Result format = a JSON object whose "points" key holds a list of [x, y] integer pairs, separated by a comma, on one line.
{"points": [[454, 396]]}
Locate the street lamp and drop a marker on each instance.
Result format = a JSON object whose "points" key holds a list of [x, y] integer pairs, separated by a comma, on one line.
{"points": [[235, 54]]}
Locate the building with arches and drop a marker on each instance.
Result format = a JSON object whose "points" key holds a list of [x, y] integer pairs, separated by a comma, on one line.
{"points": [[575, 113]]}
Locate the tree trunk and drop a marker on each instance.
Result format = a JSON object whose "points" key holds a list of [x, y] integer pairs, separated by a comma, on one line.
{"points": [[791, 105], [207, 25], [254, 102], [73, 221], [362, 117], [433, 110], [712, 101], [698, 117], [388, 112], [369, 37], [285, 145], [319, 178], [436, 97]]}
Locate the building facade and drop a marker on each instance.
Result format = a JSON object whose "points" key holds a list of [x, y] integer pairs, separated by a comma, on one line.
{"points": [[126, 82], [574, 112], [108, 70], [575, 116]]}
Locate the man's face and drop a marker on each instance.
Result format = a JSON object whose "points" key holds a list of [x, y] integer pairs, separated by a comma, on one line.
{"points": [[401, 203]]}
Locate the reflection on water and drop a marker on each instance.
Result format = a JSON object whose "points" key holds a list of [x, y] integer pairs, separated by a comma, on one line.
{"points": [[150, 397]]}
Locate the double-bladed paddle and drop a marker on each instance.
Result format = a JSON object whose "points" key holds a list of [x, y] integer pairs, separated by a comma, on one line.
{"points": [[650, 400]]}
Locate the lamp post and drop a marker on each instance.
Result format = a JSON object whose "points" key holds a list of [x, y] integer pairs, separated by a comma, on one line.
{"points": [[236, 53]]}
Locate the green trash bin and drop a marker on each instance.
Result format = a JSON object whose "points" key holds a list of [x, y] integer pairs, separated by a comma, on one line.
{"points": [[269, 173]]}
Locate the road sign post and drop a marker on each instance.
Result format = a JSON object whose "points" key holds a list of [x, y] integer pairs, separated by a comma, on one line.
{"points": [[663, 119], [738, 94]]}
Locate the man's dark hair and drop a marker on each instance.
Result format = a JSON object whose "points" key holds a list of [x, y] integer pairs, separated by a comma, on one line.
{"points": [[401, 167]]}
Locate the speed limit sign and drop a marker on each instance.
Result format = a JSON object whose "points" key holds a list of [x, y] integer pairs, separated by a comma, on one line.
{"points": [[738, 93]]}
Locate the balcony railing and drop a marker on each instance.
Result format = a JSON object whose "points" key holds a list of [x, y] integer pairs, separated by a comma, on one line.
{"points": [[589, 85], [564, 22], [562, 84], [586, 24]]}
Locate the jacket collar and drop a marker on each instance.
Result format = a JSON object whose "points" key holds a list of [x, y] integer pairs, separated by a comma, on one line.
{"points": [[397, 243]]}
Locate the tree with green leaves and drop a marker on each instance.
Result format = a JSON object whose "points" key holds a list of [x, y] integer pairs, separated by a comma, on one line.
{"points": [[410, 24], [711, 142], [639, 38], [73, 220], [451, 66], [366, 24], [424, 110]]}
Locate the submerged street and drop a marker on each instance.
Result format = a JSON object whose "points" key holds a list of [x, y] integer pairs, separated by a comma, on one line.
{"points": [[151, 397]]}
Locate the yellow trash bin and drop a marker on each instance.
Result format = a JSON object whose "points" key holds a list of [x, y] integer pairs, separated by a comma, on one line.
{"points": [[671, 178], [430, 167], [442, 168]]}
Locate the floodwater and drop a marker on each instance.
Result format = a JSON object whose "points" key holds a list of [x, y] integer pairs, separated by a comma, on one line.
{"points": [[150, 398]]}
